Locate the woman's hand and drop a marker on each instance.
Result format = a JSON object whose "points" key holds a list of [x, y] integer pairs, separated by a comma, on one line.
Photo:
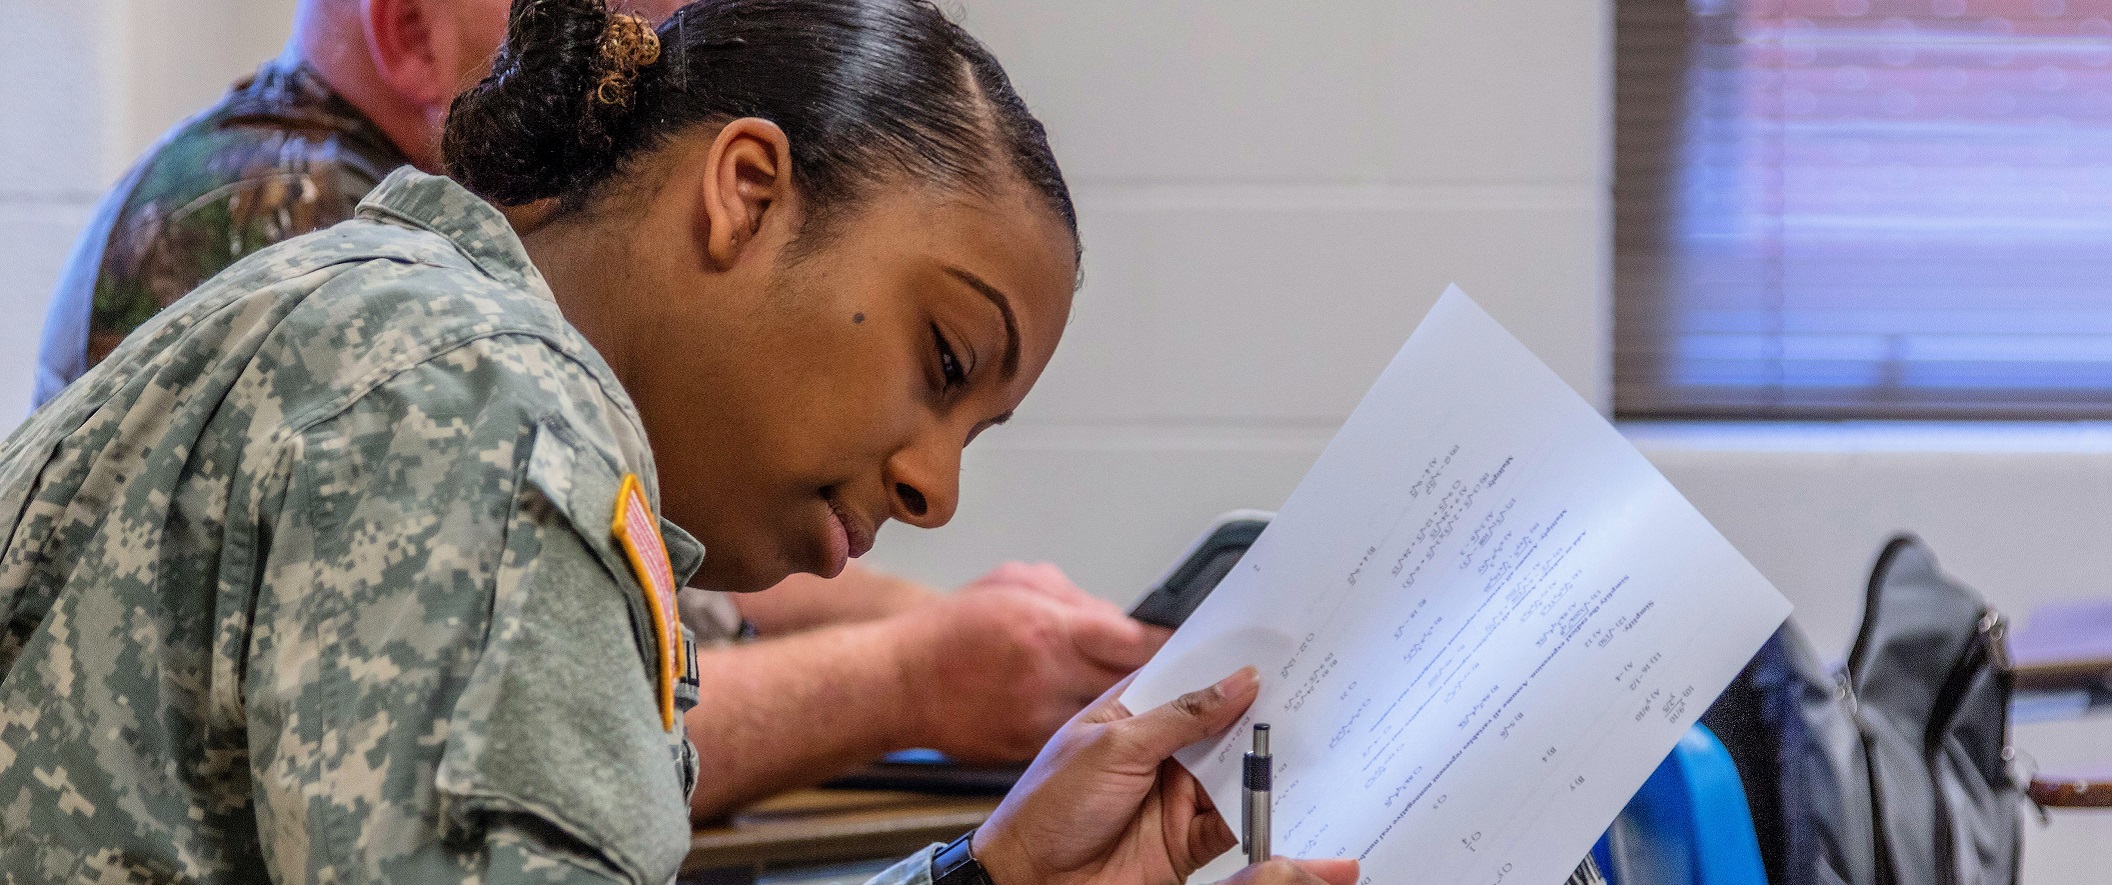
{"points": [[1282, 870], [1106, 803]]}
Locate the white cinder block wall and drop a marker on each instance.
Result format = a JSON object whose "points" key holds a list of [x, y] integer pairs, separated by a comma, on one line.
{"points": [[51, 142], [1271, 196], [90, 84]]}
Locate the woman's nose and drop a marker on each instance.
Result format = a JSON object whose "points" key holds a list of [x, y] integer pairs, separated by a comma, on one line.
{"points": [[924, 481]]}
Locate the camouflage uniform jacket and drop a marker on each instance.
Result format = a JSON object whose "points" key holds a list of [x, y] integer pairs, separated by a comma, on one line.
{"points": [[314, 580], [280, 155]]}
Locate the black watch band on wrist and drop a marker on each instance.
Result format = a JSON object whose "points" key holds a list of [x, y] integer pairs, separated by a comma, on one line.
{"points": [[955, 864]]}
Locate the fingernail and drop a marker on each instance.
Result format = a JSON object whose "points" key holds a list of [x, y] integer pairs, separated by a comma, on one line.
{"points": [[1237, 683]]}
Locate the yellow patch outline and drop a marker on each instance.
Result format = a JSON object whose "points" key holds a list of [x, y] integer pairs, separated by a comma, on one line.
{"points": [[659, 600]]}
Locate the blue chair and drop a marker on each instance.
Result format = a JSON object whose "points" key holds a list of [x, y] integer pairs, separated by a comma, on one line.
{"points": [[1688, 825]]}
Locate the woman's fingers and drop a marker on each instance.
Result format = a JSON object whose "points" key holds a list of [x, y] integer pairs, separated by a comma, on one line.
{"points": [[1109, 707], [1103, 796], [1332, 870], [1209, 836], [1196, 833], [1155, 734], [1286, 871]]}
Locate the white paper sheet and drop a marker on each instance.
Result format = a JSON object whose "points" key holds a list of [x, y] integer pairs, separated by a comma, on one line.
{"points": [[1481, 621]]}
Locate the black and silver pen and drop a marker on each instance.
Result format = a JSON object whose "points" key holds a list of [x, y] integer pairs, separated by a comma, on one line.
{"points": [[1255, 823]]}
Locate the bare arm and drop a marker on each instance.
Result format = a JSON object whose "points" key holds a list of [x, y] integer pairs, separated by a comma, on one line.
{"points": [[985, 674], [805, 602], [793, 712]]}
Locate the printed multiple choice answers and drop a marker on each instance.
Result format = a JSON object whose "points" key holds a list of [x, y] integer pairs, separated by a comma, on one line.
{"points": [[1481, 620]]}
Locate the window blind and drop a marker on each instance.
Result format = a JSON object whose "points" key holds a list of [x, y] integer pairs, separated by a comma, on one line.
{"points": [[1863, 208]]}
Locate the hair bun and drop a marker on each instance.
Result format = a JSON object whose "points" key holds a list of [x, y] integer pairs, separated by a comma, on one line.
{"points": [[628, 45], [546, 119]]}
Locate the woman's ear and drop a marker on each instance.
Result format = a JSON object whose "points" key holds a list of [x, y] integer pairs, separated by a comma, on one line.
{"points": [[747, 184]]}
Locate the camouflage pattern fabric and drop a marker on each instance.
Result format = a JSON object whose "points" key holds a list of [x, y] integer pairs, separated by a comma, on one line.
{"points": [[279, 156], [313, 580]]}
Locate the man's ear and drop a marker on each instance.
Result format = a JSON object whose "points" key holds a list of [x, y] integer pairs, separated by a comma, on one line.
{"points": [[747, 189], [408, 50]]}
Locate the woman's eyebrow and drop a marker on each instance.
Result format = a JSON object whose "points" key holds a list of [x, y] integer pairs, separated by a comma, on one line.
{"points": [[1008, 366]]}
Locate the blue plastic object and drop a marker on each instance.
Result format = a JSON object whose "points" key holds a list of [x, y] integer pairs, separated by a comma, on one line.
{"points": [[1688, 825]]}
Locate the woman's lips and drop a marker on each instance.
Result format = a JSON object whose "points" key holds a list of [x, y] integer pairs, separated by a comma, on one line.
{"points": [[861, 540], [848, 538], [838, 552]]}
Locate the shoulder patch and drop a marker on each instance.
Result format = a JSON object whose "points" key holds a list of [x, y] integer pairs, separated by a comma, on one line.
{"points": [[638, 531]]}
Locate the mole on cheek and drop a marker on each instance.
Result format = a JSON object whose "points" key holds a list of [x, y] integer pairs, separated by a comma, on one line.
{"points": [[858, 318]]}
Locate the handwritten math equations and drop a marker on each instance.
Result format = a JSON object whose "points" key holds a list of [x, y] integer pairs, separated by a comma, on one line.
{"points": [[1481, 620]]}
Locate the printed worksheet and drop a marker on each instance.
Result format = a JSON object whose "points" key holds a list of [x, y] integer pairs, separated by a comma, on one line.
{"points": [[1481, 621]]}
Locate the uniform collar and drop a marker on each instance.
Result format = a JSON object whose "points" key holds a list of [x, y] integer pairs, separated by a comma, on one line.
{"points": [[684, 552], [475, 227], [479, 231]]}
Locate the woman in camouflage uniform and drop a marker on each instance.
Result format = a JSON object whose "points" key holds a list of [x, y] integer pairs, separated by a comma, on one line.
{"points": [[347, 567]]}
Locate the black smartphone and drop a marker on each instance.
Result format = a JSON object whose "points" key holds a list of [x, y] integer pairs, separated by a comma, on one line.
{"points": [[1170, 602], [1197, 572]]}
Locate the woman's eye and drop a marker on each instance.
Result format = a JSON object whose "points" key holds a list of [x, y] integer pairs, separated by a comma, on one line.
{"points": [[949, 364]]}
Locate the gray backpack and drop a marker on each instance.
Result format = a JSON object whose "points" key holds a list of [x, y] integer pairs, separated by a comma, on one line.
{"points": [[1894, 770]]}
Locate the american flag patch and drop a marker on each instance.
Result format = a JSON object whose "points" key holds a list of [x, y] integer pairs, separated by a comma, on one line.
{"points": [[639, 533]]}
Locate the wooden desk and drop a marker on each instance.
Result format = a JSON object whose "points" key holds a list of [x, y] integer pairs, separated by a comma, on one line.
{"points": [[2064, 646], [811, 827], [2064, 650]]}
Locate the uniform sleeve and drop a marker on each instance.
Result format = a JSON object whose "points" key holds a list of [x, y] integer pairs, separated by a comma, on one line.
{"points": [[444, 681], [62, 349], [158, 253]]}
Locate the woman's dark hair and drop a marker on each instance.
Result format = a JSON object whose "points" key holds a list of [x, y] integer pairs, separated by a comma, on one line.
{"points": [[866, 91]]}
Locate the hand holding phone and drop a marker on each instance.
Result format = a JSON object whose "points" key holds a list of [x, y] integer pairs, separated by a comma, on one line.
{"points": [[1198, 571]]}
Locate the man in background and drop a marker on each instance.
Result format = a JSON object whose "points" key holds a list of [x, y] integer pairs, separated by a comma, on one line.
{"points": [[851, 669]]}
